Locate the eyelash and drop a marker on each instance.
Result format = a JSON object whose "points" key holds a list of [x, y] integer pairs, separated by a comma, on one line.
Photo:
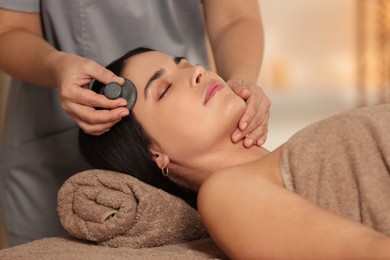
{"points": [[165, 91]]}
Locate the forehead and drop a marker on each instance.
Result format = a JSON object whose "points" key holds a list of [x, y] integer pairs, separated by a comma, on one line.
{"points": [[141, 67], [144, 62]]}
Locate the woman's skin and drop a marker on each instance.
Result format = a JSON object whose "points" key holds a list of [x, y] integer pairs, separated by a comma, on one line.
{"points": [[242, 199]]}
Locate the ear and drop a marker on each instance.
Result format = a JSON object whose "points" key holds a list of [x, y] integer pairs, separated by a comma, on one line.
{"points": [[159, 156]]}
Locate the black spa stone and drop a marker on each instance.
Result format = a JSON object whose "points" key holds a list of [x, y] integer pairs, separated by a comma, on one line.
{"points": [[128, 91]]}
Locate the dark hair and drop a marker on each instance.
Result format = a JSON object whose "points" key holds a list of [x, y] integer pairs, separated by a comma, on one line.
{"points": [[124, 148]]}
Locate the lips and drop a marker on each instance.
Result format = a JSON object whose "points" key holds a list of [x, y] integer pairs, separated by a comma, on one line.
{"points": [[212, 89]]}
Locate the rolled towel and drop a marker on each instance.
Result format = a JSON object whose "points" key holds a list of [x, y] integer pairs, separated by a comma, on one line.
{"points": [[117, 210]]}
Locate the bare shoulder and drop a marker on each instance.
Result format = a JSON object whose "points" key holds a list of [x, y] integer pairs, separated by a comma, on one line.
{"points": [[230, 179], [243, 180], [227, 202]]}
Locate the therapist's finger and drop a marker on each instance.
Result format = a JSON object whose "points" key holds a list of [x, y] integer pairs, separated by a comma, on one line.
{"points": [[89, 115], [253, 132], [90, 98], [99, 126], [253, 124], [101, 74], [240, 88], [96, 130], [255, 99], [262, 140], [243, 132], [258, 105], [258, 135], [258, 126]]}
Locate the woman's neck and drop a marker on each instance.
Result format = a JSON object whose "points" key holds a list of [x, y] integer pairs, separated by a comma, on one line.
{"points": [[224, 155], [234, 155]]}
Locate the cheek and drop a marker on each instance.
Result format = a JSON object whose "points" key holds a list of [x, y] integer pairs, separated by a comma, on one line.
{"points": [[184, 130], [225, 117], [179, 121], [195, 129], [169, 122]]}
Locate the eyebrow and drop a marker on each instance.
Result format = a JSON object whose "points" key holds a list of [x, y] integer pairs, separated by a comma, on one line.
{"points": [[178, 59], [158, 74]]}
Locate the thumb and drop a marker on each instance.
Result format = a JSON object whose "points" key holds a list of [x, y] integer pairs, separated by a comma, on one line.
{"points": [[239, 88], [104, 75]]}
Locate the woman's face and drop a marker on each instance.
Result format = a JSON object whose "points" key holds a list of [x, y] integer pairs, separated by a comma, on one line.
{"points": [[188, 111]]}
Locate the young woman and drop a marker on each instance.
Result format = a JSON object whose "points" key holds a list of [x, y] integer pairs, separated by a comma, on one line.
{"points": [[178, 138]]}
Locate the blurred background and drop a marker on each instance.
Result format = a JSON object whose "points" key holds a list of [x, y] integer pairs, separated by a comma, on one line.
{"points": [[321, 57]]}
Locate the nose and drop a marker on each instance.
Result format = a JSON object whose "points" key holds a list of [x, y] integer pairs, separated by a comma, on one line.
{"points": [[197, 76]]}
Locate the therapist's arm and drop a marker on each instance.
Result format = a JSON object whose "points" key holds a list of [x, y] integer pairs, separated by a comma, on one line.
{"points": [[236, 36], [26, 55]]}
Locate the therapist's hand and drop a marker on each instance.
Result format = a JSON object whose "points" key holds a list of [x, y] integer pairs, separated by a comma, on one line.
{"points": [[73, 75], [253, 125]]}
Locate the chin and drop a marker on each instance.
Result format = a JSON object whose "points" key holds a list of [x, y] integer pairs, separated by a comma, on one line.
{"points": [[236, 107], [233, 108]]}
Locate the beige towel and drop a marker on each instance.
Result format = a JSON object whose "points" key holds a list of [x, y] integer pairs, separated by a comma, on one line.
{"points": [[343, 164], [59, 248], [117, 210]]}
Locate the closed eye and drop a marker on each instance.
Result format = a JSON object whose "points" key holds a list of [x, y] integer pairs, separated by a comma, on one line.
{"points": [[165, 91]]}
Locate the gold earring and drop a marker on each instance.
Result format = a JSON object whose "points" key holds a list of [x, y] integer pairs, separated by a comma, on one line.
{"points": [[165, 171]]}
